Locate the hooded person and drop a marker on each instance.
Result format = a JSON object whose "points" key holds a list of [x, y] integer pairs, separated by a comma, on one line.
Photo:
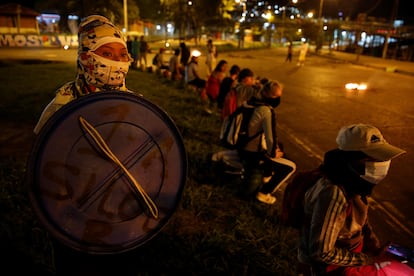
{"points": [[246, 87], [263, 160], [361, 160], [336, 236], [102, 64]]}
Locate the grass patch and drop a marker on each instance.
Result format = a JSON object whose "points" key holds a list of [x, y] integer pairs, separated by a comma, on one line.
{"points": [[212, 232]]}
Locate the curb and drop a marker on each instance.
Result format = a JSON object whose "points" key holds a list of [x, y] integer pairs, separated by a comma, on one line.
{"points": [[388, 69]]}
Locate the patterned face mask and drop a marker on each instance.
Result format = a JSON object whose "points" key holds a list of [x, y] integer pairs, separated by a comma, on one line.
{"points": [[105, 73]]}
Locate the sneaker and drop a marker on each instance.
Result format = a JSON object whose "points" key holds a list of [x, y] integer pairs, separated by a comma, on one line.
{"points": [[265, 198]]}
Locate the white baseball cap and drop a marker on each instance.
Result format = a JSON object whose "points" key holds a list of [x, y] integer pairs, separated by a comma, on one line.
{"points": [[195, 53], [369, 140]]}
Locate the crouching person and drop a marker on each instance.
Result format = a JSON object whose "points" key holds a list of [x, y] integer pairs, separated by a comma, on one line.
{"points": [[160, 63], [336, 238], [265, 169]]}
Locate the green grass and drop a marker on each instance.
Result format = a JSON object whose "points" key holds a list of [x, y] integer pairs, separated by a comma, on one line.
{"points": [[212, 232]]}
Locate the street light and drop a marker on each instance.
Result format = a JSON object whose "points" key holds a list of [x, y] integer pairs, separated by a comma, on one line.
{"points": [[268, 25]]}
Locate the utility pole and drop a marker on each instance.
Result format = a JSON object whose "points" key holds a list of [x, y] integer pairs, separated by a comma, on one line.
{"points": [[319, 44], [320, 10], [242, 22], [126, 16], [283, 24], [387, 36], [18, 11]]}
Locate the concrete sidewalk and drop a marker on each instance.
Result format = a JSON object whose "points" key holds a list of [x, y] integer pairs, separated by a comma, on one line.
{"points": [[388, 65]]}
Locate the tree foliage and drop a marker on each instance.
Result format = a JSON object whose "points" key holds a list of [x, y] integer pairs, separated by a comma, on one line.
{"points": [[200, 15], [113, 10], [149, 9]]}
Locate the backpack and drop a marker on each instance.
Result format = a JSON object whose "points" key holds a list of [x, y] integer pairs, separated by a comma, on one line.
{"points": [[155, 60], [292, 213], [229, 104], [234, 129]]}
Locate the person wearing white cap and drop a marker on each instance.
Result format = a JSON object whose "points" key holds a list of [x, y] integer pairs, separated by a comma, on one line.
{"points": [[102, 64], [336, 237], [193, 75], [193, 78]]}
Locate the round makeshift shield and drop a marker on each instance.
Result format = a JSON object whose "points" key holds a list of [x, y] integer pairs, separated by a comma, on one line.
{"points": [[106, 172]]}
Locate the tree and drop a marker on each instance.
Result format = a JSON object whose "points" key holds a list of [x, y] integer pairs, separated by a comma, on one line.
{"points": [[150, 9], [113, 10], [192, 17]]}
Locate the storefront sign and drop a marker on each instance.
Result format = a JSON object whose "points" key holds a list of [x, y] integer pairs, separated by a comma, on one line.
{"points": [[28, 40]]}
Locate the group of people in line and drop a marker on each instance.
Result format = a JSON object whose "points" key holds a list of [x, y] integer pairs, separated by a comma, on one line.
{"points": [[264, 165], [336, 238], [183, 66], [138, 50], [174, 67]]}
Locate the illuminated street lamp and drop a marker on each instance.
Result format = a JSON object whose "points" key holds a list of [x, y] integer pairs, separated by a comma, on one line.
{"points": [[268, 25]]}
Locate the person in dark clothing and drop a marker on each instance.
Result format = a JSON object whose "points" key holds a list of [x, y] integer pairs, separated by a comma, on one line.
{"points": [[289, 53], [226, 84], [129, 44], [135, 52], [185, 56], [143, 49], [174, 66], [263, 160], [336, 237]]}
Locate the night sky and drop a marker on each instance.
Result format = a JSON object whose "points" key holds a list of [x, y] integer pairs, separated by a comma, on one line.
{"points": [[350, 8]]}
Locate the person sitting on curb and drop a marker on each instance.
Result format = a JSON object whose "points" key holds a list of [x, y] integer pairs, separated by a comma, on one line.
{"points": [[162, 65], [213, 83], [245, 88], [226, 85], [174, 66], [336, 237], [193, 77], [265, 168]]}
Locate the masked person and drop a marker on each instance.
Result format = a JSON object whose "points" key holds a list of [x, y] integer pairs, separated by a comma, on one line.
{"points": [[102, 64], [336, 238], [262, 158]]}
